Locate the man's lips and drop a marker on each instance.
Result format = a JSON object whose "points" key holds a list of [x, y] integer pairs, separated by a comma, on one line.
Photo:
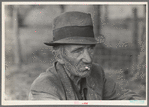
{"points": [[85, 67]]}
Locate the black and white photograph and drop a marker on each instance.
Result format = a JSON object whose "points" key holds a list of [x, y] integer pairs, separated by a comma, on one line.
{"points": [[78, 53]]}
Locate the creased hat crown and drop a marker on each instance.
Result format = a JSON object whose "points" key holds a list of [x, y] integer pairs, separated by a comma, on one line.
{"points": [[72, 19], [73, 28]]}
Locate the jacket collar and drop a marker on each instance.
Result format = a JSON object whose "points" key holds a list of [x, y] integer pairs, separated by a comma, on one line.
{"points": [[65, 81], [93, 85]]}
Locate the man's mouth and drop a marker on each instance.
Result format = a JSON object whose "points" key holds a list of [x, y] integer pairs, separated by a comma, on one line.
{"points": [[87, 68]]}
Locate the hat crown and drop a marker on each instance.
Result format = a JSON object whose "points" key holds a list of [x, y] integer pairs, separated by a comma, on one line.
{"points": [[73, 28], [72, 19]]}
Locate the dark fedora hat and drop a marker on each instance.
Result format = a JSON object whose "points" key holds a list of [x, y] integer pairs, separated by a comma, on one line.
{"points": [[73, 28]]}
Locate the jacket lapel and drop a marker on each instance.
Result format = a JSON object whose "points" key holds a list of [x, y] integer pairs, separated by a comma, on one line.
{"points": [[94, 85], [93, 93], [66, 82]]}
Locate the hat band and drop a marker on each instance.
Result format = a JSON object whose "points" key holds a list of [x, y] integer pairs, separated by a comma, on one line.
{"points": [[73, 31]]}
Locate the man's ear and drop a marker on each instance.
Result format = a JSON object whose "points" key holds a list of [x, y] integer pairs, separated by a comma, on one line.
{"points": [[61, 61], [58, 57]]}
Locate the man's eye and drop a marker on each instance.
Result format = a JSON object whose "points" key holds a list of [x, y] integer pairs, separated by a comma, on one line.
{"points": [[90, 48], [78, 50]]}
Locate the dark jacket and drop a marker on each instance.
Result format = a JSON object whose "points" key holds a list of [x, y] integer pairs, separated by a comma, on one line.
{"points": [[55, 84]]}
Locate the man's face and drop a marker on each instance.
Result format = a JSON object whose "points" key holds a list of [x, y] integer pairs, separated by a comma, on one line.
{"points": [[78, 59]]}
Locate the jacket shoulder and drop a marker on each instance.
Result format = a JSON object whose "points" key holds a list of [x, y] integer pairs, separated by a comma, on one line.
{"points": [[97, 72], [97, 69], [47, 82], [44, 79], [97, 65]]}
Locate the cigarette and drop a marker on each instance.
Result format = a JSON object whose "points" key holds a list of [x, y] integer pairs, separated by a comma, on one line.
{"points": [[87, 68]]}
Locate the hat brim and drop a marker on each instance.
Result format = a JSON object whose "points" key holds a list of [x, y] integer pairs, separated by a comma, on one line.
{"points": [[73, 40]]}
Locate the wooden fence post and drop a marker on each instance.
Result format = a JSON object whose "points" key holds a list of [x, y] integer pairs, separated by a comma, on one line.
{"points": [[97, 30], [62, 7], [106, 14], [135, 39], [97, 20], [17, 49]]}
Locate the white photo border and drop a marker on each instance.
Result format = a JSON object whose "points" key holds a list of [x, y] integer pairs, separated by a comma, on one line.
{"points": [[71, 102]]}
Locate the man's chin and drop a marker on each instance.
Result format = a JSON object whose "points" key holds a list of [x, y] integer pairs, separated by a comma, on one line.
{"points": [[85, 73]]}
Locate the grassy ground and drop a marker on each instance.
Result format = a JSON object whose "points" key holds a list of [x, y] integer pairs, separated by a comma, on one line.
{"points": [[18, 82], [127, 82]]}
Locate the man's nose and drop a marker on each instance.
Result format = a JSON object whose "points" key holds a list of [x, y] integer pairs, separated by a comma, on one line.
{"points": [[86, 57]]}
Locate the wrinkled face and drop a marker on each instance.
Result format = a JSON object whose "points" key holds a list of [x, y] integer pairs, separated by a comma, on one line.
{"points": [[78, 59]]}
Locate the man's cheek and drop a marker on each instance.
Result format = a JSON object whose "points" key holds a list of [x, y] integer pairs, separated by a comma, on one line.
{"points": [[70, 63], [71, 60]]}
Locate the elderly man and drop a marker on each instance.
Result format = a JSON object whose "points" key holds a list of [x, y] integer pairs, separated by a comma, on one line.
{"points": [[74, 76]]}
